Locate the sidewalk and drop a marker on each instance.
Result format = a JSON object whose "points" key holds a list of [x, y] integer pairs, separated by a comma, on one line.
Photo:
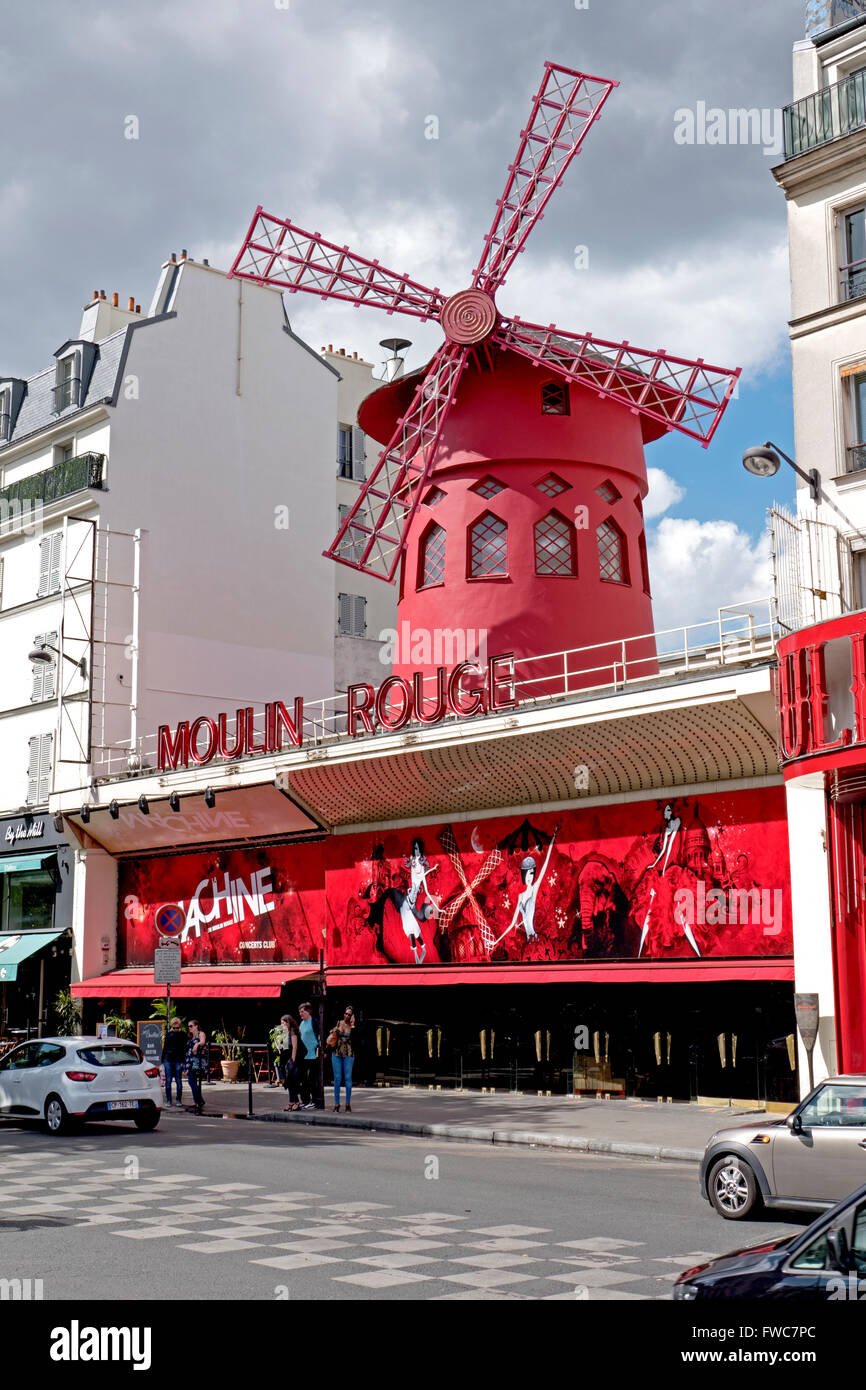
{"points": [[634, 1128]]}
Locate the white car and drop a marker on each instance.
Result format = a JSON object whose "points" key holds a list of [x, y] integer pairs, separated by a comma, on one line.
{"points": [[67, 1081]]}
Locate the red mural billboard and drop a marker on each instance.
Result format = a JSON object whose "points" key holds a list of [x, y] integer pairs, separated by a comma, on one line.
{"points": [[680, 878]]}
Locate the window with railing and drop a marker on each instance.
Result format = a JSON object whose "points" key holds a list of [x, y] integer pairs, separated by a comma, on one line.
{"points": [[853, 271], [826, 115], [856, 454], [67, 384]]}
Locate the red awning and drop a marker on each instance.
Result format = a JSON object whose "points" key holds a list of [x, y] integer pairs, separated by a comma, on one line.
{"points": [[260, 982], [704, 971]]}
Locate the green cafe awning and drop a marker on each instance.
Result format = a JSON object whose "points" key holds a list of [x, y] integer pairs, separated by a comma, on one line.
{"points": [[15, 947], [22, 863]]}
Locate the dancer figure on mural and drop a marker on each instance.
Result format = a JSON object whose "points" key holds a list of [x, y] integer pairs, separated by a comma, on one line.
{"points": [[524, 912], [670, 854], [412, 911]]}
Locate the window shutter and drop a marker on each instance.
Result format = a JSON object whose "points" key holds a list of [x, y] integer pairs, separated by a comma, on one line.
{"points": [[44, 566], [49, 673], [359, 454], [39, 769], [38, 671], [352, 618], [54, 563]]}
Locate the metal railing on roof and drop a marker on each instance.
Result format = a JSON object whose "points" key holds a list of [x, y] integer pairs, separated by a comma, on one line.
{"points": [[740, 634]]}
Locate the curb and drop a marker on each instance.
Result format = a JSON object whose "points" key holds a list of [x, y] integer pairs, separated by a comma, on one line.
{"points": [[475, 1133]]}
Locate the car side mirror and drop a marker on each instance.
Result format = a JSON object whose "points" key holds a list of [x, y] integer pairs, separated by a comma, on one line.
{"points": [[794, 1123], [840, 1254]]}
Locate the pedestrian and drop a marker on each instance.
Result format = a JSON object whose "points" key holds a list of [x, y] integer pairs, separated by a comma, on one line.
{"points": [[309, 1034], [173, 1057], [289, 1068], [343, 1057], [196, 1062]]}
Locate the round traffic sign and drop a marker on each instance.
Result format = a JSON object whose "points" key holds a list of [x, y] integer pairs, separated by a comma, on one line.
{"points": [[169, 920]]}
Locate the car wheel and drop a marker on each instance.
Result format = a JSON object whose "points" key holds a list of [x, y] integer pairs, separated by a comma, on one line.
{"points": [[733, 1188], [57, 1116], [148, 1121]]}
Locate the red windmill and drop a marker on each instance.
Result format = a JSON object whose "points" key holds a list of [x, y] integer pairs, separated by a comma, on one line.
{"points": [[484, 497]]}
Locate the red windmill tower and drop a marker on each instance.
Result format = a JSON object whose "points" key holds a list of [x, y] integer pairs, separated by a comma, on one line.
{"points": [[509, 492]]}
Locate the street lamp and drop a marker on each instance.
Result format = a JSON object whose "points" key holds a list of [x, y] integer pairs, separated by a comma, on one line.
{"points": [[39, 656], [765, 460]]}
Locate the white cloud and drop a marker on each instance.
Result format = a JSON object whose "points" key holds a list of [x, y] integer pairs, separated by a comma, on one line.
{"points": [[696, 567], [664, 492]]}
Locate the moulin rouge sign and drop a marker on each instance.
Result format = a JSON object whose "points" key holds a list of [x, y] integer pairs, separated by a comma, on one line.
{"points": [[390, 706]]}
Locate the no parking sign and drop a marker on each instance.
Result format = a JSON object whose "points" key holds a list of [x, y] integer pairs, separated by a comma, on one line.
{"points": [[169, 920]]}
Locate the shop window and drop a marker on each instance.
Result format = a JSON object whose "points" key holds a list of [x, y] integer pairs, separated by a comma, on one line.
{"points": [[488, 548], [431, 569], [612, 565], [555, 399], [554, 546], [30, 901], [39, 769], [552, 485], [488, 487]]}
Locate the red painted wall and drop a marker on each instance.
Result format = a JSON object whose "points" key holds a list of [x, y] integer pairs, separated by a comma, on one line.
{"points": [[497, 428], [596, 890]]}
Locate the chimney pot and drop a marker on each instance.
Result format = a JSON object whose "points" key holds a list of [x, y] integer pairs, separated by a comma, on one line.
{"points": [[131, 305], [102, 294], [330, 347], [173, 258], [114, 300], [138, 308], [96, 294], [183, 254]]}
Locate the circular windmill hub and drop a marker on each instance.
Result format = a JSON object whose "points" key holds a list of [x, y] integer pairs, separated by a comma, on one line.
{"points": [[468, 317]]}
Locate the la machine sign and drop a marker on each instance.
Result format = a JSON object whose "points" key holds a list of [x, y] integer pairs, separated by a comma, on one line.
{"points": [[464, 692]]}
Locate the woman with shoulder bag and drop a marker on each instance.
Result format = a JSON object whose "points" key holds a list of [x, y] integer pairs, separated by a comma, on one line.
{"points": [[343, 1057], [289, 1061]]}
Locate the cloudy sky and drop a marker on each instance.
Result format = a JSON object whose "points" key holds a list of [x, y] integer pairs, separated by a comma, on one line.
{"points": [[319, 110]]}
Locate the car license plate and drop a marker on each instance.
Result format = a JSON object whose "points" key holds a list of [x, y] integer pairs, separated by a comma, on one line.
{"points": [[123, 1105]]}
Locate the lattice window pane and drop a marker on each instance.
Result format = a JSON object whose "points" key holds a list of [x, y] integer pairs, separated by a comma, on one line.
{"points": [[608, 493], [434, 497], [488, 487], [433, 563], [554, 546], [488, 547], [611, 553], [554, 398], [551, 486]]}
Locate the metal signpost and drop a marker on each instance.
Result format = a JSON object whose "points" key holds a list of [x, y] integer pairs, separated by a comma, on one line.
{"points": [[806, 1010], [169, 922]]}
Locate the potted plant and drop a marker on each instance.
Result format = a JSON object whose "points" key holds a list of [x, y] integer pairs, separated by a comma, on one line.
{"points": [[123, 1027], [67, 1011], [231, 1054]]}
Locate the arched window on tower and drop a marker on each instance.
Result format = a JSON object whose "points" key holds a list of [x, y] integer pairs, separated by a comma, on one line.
{"points": [[488, 548], [612, 559], [431, 557], [554, 546], [644, 564]]}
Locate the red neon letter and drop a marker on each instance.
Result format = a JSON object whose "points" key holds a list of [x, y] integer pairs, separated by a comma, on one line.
{"points": [[294, 728], [494, 680], [173, 751], [455, 691], [359, 709], [223, 749], [418, 692], [383, 715], [203, 722]]}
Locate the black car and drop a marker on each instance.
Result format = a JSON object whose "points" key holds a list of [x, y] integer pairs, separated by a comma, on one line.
{"points": [[827, 1261]]}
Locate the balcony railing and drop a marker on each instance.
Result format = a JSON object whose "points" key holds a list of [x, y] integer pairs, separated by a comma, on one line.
{"points": [[826, 115], [856, 457], [853, 280], [73, 475]]}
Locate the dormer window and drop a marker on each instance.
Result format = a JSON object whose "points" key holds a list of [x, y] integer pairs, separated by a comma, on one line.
{"points": [[554, 398], [67, 382], [5, 413], [12, 392]]}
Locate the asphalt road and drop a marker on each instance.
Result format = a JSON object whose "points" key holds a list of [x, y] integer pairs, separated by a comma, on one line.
{"points": [[227, 1209]]}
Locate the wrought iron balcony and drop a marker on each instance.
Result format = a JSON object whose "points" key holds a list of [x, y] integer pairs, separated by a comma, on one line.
{"points": [[856, 457], [854, 280], [826, 115], [73, 475]]}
